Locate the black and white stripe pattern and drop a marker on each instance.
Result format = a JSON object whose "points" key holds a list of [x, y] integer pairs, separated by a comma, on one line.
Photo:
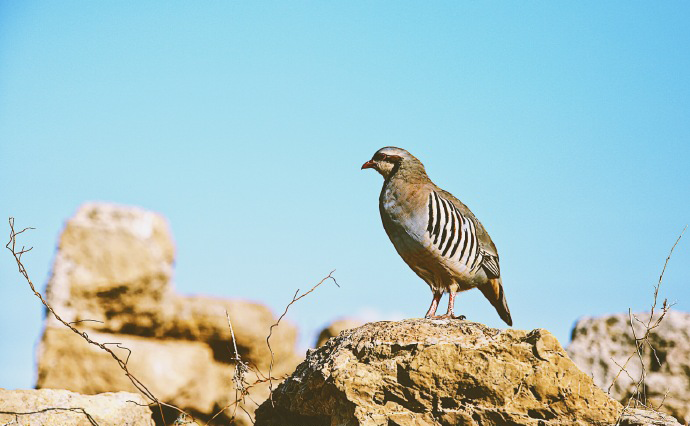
{"points": [[452, 233]]}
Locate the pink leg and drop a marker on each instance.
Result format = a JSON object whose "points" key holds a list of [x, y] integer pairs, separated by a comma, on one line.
{"points": [[449, 314], [434, 304], [451, 304]]}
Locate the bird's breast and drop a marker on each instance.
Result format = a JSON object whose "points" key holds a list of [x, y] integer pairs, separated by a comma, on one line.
{"points": [[401, 213]]}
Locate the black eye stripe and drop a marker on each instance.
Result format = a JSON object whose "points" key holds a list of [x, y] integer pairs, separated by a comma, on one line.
{"points": [[380, 156]]}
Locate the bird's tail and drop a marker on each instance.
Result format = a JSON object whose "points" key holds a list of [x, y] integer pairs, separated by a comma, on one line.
{"points": [[493, 290]]}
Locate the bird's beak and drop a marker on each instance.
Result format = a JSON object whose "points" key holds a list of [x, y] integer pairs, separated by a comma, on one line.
{"points": [[368, 165]]}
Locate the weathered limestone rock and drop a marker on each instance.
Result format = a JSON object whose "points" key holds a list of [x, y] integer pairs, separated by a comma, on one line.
{"points": [[112, 278], [438, 372], [49, 407], [335, 328], [182, 373], [111, 260], [635, 417], [203, 319], [599, 343], [113, 270]]}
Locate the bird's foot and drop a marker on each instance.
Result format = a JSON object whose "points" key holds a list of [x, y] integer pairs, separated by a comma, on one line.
{"points": [[446, 316]]}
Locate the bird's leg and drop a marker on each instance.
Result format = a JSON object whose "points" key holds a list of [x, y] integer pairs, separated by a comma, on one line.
{"points": [[434, 304], [451, 303]]}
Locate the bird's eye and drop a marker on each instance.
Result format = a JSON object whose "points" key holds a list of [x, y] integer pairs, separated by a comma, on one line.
{"points": [[380, 156]]}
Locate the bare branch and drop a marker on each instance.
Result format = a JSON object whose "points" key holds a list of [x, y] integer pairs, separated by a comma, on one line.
{"points": [[295, 298], [45, 410], [638, 397], [622, 368], [86, 320], [242, 386], [241, 368], [11, 246]]}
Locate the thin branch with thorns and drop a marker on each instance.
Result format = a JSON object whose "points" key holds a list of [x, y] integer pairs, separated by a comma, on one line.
{"points": [[88, 416], [11, 246], [639, 394], [242, 386], [295, 298], [241, 368]]}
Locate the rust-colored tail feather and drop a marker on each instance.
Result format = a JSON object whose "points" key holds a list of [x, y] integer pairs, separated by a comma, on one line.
{"points": [[493, 290]]}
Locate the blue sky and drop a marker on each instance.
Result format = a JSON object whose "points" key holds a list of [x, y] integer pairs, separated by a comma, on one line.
{"points": [[565, 127]]}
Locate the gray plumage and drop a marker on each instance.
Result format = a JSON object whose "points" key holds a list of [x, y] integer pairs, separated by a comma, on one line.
{"points": [[435, 233]]}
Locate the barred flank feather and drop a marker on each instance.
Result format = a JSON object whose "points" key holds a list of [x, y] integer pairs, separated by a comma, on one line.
{"points": [[448, 228]]}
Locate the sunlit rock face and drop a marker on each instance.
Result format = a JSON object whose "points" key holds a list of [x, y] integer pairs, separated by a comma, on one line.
{"points": [[112, 277], [53, 407], [438, 372], [600, 346]]}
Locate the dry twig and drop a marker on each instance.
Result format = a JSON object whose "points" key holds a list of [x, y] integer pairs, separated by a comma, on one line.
{"points": [[241, 368], [639, 394], [295, 298], [242, 386], [11, 246], [88, 416]]}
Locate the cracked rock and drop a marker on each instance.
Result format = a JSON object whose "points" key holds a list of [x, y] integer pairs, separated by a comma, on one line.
{"points": [[452, 372]]}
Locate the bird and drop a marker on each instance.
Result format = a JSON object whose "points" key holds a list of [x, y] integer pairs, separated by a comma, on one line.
{"points": [[437, 235]]}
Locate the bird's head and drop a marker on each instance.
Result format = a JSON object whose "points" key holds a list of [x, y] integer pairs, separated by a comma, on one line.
{"points": [[389, 159]]}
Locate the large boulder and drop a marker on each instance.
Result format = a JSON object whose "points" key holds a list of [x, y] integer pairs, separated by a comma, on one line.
{"points": [[438, 372], [182, 373], [638, 417], [600, 346], [112, 278], [113, 262], [50, 407]]}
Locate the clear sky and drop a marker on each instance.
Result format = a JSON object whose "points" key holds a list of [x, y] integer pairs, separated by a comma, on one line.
{"points": [[564, 126]]}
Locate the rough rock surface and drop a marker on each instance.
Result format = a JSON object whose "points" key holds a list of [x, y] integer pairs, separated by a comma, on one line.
{"points": [[430, 372], [335, 328], [635, 417], [599, 343], [112, 276], [49, 407]]}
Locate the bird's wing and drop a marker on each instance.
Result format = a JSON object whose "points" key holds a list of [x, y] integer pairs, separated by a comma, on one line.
{"points": [[489, 258]]}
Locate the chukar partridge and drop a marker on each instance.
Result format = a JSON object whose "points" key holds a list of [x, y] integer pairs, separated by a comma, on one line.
{"points": [[435, 233]]}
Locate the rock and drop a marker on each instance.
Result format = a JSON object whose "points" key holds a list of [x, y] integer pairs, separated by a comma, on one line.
{"points": [[335, 328], [203, 319], [111, 259], [50, 407], [113, 271], [182, 373], [637, 417], [112, 278], [447, 372], [599, 343]]}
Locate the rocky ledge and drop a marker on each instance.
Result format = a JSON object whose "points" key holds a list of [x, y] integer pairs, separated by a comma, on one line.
{"points": [[52, 407], [113, 279], [601, 345], [440, 372]]}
